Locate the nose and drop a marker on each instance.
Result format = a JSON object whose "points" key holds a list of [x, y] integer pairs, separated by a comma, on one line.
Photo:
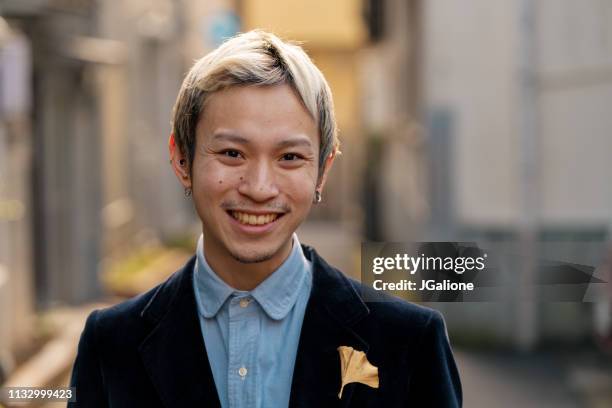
{"points": [[259, 182]]}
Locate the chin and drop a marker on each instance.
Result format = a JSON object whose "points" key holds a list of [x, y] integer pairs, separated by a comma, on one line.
{"points": [[254, 256]]}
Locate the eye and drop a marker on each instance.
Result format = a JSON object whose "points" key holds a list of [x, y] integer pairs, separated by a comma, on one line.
{"points": [[234, 154], [291, 157]]}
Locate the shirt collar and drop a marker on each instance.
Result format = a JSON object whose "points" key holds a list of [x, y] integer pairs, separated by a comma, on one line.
{"points": [[276, 294]]}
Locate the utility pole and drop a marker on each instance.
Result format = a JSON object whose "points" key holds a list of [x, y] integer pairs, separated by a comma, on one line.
{"points": [[526, 334]]}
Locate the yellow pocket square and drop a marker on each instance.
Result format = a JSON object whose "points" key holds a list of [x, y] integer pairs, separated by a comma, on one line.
{"points": [[355, 367]]}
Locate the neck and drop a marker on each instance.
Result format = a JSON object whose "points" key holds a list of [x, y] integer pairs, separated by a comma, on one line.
{"points": [[240, 275]]}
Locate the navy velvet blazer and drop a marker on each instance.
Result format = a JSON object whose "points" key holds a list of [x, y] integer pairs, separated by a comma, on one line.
{"points": [[149, 350]]}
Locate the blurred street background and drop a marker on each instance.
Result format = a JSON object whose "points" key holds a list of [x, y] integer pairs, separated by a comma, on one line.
{"points": [[474, 120]]}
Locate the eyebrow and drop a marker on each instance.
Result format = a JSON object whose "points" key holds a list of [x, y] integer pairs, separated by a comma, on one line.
{"points": [[291, 142], [295, 141], [230, 137]]}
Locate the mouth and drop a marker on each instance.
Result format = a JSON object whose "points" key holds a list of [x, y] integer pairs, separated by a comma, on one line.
{"points": [[245, 218]]}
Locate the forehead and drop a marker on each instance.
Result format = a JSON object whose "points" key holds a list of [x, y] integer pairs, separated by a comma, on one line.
{"points": [[258, 113]]}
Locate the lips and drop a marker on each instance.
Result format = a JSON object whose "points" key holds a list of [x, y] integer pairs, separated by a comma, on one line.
{"points": [[254, 219]]}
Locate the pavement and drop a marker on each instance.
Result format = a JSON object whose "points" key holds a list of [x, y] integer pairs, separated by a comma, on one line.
{"points": [[51, 365], [561, 379]]}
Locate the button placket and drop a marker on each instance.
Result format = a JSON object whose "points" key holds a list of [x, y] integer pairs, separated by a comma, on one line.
{"points": [[243, 333], [233, 357]]}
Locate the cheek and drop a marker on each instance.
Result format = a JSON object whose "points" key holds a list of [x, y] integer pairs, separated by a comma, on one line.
{"points": [[211, 185], [211, 176], [299, 186]]}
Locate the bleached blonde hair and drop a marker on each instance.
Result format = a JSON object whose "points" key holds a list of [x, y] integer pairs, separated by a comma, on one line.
{"points": [[254, 58]]}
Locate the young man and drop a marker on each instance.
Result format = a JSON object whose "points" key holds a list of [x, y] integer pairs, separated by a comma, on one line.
{"points": [[255, 319]]}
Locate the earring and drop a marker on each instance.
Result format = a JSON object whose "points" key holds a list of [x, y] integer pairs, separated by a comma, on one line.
{"points": [[317, 199], [187, 192]]}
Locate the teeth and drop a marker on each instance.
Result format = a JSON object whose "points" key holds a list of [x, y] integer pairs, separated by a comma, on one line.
{"points": [[251, 219]]}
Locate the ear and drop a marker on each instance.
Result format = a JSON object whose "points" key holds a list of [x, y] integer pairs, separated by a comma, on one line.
{"points": [[328, 164], [179, 163]]}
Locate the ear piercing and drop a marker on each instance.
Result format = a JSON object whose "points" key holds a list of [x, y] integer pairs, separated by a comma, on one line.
{"points": [[318, 198], [187, 192]]}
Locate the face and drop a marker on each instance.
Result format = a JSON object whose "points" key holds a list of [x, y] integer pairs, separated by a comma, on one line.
{"points": [[254, 172]]}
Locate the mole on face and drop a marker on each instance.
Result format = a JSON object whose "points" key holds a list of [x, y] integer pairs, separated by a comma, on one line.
{"points": [[240, 177], [220, 181]]}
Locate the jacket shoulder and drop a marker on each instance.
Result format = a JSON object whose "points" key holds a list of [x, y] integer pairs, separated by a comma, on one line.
{"points": [[120, 323], [133, 318], [395, 312], [377, 311], [126, 311]]}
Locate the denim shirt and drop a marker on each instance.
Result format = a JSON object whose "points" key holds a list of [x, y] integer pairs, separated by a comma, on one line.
{"points": [[251, 337]]}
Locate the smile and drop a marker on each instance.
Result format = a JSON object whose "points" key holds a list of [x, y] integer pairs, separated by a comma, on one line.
{"points": [[254, 219]]}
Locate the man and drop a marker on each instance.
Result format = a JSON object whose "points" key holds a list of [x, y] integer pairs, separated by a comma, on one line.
{"points": [[255, 319]]}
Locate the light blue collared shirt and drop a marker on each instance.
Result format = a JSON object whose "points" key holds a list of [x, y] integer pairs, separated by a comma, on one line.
{"points": [[252, 337]]}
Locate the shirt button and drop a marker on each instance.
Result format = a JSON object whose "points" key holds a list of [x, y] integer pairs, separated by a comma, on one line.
{"points": [[244, 302], [242, 371]]}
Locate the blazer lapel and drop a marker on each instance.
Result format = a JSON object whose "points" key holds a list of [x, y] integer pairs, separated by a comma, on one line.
{"points": [[174, 354], [334, 306]]}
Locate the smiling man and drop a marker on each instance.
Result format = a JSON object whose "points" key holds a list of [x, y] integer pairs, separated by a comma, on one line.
{"points": [[255, 319]]}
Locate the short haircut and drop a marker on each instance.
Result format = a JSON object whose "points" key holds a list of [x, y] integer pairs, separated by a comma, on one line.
{"points": [[254, 58]]}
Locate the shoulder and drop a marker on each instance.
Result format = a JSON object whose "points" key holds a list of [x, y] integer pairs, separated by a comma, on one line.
{"points": [[132, 319], [125, 312], [381, 316], [397, 315], [121, 321]]}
